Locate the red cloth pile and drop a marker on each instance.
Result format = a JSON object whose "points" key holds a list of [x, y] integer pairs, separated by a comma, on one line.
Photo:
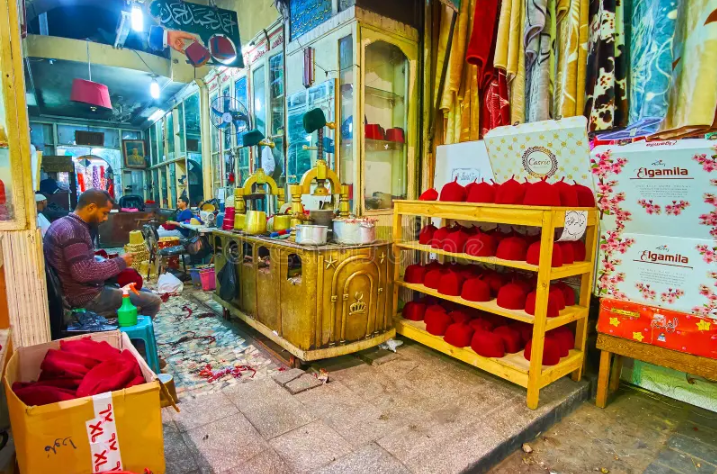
{"points": [[81, 368]]}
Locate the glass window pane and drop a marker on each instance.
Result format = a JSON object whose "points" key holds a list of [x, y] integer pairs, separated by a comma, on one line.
{"points": [[193, 126], [172, 184], [276, 81], [163, 181], [243, 172], [346, 86], [279, 174], [241, 93], [259, 84], [160, 141], [385, 110], [170, 136], [214, 131], [227, 132], [196, 186], [181, 133], [111, 136], [153, 144], [41, 135], [155, 186]]}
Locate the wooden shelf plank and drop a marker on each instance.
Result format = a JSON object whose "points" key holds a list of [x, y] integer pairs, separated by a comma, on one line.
{"points": [[568, 315], [556, 273], [496, 213], [512, 367]]}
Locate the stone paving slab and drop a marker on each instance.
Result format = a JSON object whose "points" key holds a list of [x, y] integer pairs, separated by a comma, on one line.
{"points": [[282, 378], [303, 383]]}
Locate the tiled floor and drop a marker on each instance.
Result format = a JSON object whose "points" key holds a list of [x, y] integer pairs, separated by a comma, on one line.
{"points": [[421, 412], [637, 433]]}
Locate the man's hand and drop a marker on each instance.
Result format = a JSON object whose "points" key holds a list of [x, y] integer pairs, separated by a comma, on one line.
{"points": [[128, 258]]}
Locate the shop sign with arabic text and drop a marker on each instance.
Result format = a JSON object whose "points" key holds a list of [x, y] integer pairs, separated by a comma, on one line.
{"points": [[203, 21]]}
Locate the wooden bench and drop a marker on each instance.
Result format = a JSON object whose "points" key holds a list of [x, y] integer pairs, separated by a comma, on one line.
{"points": [[609, 377]]}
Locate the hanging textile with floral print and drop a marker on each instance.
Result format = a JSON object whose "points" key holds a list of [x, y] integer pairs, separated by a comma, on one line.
{"points": [[692, 102], [653, 28], [606, 103]]}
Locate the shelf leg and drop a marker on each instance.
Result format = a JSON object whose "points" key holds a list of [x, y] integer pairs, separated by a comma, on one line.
{"points": [[535, 374], [603, 377], [615, 373], [586, 285]]}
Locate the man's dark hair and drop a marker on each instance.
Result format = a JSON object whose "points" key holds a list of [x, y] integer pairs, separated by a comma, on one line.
{"points": [[98, 197], [184, 199]]}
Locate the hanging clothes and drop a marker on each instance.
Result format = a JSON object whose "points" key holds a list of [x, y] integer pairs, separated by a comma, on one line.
{"points": [[606, 103], [692, 99], [653, 29], [571, 48]]}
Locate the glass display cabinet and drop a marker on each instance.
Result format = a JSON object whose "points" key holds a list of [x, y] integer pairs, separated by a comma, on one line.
{"points": [[373, 63]]}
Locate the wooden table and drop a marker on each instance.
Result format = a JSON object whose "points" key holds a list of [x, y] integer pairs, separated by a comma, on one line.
{"points": [[609, 377]]}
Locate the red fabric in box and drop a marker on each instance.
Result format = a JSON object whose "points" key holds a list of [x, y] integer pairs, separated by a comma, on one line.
{"points": [[659, 327]]}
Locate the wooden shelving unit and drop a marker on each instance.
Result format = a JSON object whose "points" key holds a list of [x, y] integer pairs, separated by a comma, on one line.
{"points": [[513, 367]]}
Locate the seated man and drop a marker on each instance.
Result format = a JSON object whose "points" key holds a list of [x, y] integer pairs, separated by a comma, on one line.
{"points": [[68, 249], [184, 216]]}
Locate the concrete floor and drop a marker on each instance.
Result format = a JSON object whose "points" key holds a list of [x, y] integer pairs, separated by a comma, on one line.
{"points": [[417, 412], [638, 432]]}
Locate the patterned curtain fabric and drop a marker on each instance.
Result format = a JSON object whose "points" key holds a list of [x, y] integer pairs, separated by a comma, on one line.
{"points": [[653, 27], [692, 98], [571, 48], [606, 103], [537, 60], [510, 55]]}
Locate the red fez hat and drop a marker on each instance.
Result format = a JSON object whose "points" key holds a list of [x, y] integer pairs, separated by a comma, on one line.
{"points": [[533, 255], [429, 195], [511, 296], [568, 292], [551, 351], [512, 248], [585, 195], [481, 193], [414, 311], [510, 192], [459, 335], [415, 274], [511, 338], [476, 289], [453, 192], [481, 245], [450, 284], [568, 194], [487, 344], [425, 237], [542, 193]]}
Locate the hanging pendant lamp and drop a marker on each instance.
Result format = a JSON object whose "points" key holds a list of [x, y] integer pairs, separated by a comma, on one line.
{"points": [[92, 93]]}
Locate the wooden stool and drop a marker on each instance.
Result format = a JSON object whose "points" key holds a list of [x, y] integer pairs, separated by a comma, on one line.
{"points": [[609, 380]]}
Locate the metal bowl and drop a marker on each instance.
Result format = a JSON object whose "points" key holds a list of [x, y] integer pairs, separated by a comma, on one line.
{"points": [[311, 234]]}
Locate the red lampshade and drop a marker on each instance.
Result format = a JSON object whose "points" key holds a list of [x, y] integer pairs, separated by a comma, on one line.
{"points": [[92, 93]]}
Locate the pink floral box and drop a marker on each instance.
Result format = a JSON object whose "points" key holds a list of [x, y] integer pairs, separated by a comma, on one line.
{"points": [[658, 232]]}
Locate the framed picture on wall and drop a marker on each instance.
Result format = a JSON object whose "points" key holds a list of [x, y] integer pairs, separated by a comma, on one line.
{"points": [[134, 154]]}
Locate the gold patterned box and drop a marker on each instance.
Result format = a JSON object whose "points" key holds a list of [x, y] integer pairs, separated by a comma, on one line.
{"points": [[553, 148]]}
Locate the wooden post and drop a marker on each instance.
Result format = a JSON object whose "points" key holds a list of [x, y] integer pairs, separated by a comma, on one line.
{"points": [[541, 311], [397, 231], [603, 376], [586, 286]]}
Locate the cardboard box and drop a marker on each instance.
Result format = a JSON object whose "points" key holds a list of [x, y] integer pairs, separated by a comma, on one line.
{"points": [[91, 434], [658, 230], [554, 149], [658, 327]]}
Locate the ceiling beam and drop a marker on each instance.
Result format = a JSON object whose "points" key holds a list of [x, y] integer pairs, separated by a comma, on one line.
{"points": [[53, 47]]}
